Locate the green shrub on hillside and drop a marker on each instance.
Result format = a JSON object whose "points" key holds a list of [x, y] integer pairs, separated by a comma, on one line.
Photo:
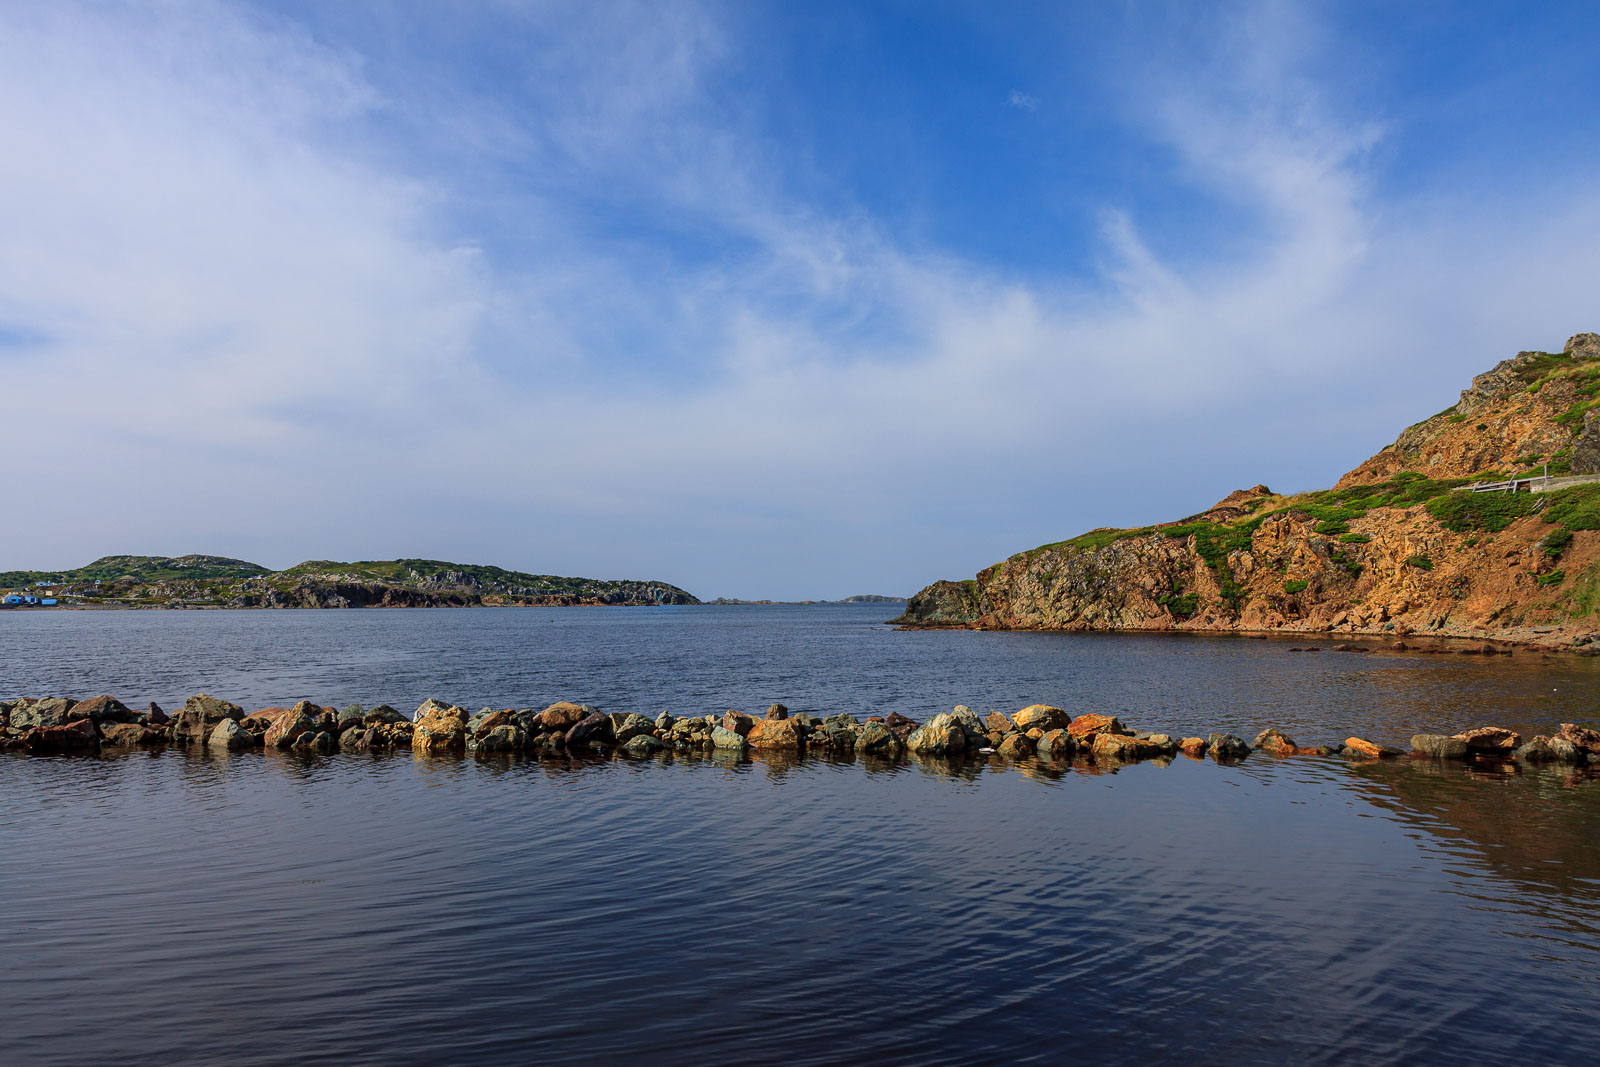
{"points": [[1490, 512], [1296, 586], [1556, 543], [1421, 563]]}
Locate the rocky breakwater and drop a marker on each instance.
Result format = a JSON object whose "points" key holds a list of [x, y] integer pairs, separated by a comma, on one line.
{"points": [[1038, 732]]}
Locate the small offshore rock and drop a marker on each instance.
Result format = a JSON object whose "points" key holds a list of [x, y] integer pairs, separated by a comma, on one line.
{"points": [[842, 721], [642, 745], [1085, 727], [289, 724], [998, 723], [722, 737], [1041, 716], [1490, 739], [1439, 746], [776, 712], [49, 712], [775, 733], [1055, 744], [1536, 750], [324, 742], [1016, 746], [230, 734], [632, 726], [129, 733], [77, 736], [104, 709], [1274, 742], [1580, 737], [592, 728], [349, 715], [876, 739], [1227, 746], [154, 716], [382, 715], [562, 716], [1126, 748], [1361, 748], [1567, 752], [439, 727], [941, 735], [738, 722], [1193, 747], [899, 725]]}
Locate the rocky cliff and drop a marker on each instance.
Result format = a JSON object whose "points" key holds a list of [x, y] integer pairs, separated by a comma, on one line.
{"points": [[1398, 546]]}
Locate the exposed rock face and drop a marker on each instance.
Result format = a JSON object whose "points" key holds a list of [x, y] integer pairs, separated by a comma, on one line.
{"points": [[1392, 565]]}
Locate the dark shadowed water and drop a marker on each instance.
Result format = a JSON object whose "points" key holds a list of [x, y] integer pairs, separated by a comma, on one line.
{"points": [[163, 908]]}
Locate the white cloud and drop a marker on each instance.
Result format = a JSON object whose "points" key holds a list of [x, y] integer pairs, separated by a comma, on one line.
{"points": [[264, 341], [1022, 101]]}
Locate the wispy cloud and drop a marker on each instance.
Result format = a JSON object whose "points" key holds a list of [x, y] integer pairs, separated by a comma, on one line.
{"points": [[263, 329], [1022, 101]]}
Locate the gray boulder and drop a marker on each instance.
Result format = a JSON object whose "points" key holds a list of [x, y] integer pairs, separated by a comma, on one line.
{"points": [[643, 745], [1439, 746], [722, 737]]}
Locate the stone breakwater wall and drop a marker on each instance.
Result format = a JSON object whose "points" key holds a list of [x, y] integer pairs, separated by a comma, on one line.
{"points": [[56, 725]]}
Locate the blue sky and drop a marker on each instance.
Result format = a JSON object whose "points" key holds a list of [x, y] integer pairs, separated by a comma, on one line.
{"points": [[760, 299]]}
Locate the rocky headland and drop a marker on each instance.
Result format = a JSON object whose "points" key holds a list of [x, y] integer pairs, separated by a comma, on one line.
{"points": [[1039, 735], [1399, 546], [199, 581]]}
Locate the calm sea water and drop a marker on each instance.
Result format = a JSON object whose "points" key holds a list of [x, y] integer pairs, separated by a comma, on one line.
{"points": [[258, 908]]}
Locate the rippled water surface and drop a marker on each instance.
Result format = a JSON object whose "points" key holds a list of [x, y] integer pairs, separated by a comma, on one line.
{"points": [[168, 907]]}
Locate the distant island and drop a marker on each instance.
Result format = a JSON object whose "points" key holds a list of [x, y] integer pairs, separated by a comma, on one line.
{"points": [[197, 581], [860, 598]]}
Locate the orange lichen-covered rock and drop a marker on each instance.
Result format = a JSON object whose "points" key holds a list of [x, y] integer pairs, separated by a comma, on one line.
{"points": [[1193, 747], [774, 733], [998, 722], [1360, 746], [1087, 726]]}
